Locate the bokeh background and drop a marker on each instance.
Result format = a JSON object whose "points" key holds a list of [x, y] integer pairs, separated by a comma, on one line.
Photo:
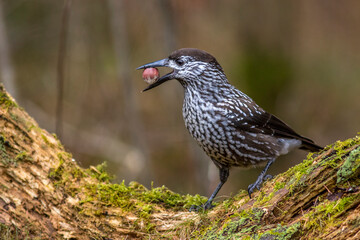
{"points": [[299, 60]]}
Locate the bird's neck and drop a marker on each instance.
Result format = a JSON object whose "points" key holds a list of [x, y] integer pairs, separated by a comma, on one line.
{"points": [[210, 91], [207, 82], [195, 101]]}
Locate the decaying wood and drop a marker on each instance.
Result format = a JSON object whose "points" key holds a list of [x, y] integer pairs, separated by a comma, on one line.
{"points": [[45, 194]]}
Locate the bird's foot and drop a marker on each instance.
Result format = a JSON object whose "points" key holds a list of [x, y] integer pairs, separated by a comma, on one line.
{"points": [[257, 183], [198, 208], [268, 177]]}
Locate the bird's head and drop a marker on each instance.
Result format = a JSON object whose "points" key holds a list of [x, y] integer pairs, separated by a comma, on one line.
{"points": [[190, 66]]}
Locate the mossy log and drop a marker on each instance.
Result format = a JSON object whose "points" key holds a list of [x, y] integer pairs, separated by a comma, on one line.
{"points": [[46, 195]]}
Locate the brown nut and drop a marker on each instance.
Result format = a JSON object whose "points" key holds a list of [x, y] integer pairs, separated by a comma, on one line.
{"points": [[150, 75]]}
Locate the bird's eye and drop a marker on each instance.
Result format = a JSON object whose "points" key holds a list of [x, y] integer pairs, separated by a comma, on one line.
{"points": [[179, 62]]}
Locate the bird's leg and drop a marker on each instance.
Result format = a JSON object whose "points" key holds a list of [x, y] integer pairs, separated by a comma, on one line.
{"points": [[261, 178], [224, 174]]}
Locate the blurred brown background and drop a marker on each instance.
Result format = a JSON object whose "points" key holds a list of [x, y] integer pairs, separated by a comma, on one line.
{"points": [[299, 60]]}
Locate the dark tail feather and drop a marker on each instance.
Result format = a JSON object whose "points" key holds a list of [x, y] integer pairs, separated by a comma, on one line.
{"points": [[309, 145]]}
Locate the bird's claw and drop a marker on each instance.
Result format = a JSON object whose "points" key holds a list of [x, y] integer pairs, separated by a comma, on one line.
{"points": [[195, 208], [268, 177], [251, 188], [258, 183], [198, 208]]}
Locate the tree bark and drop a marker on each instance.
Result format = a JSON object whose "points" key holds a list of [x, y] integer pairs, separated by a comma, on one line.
{"points": [[46, 195]]}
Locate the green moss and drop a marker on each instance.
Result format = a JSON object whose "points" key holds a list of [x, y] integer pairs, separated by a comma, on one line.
{"points": [[9, 233], [280, 232], [14, 117], [265, 199], [297, 174], [99, 172], [66, 173], [239, 225], [127, 197], [278, 186], [350, 168], [332, 160], [55, 136], [134, 198], [58, 140], [77, 172], [23, 156], [169, 199], [5, 158], [32, 126], [5, 100], [228, 204], [341, 147], [145, 210], [326, 213], [57, 173], [150, 227], [46, 141], [234, 228]]}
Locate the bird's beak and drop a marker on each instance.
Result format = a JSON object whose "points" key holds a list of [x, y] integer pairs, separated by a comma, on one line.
{"points": [[166, 77]]}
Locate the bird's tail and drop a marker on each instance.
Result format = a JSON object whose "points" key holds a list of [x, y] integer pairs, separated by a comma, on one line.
{"points": [[309, 145]]}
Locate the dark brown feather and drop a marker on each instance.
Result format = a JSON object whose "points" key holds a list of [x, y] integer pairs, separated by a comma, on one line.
{"points": [[197, 54], [269, 124]]}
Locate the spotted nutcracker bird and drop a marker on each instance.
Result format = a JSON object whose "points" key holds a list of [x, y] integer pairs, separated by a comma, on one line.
{"points": [[227, 124]]}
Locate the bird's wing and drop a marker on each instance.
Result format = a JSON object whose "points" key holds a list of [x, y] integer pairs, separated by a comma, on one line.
{"points": [[267, 123], [254, 119]]}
